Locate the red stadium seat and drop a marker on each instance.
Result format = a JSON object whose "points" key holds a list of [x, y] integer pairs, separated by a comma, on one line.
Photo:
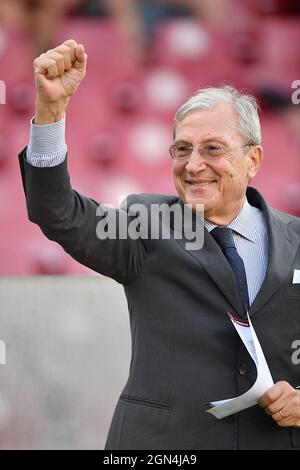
{"points": [[119, 126]]}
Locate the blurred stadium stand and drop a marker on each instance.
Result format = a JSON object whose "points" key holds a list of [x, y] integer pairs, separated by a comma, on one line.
{"points": [[119, 124]]}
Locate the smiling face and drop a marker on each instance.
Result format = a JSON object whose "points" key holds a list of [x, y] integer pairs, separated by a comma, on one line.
{"points": [[219, 184]]}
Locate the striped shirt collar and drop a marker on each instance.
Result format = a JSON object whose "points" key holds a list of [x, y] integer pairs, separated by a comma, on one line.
{"points": [[243, 223]]}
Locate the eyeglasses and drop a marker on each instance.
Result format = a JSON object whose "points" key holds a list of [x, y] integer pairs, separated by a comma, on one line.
{"points": [[210, 152]]}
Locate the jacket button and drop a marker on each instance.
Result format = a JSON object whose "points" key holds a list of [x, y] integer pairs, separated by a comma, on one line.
{"points": [[243, 369]]}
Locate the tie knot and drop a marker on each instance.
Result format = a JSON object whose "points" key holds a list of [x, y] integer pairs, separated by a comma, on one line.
{"points": [[223, 237]]}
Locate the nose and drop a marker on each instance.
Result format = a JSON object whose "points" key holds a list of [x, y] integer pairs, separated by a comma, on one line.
{"points": [[195, 162]]}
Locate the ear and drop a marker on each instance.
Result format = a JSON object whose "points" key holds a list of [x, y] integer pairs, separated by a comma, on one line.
{"points": [[255, 157]]}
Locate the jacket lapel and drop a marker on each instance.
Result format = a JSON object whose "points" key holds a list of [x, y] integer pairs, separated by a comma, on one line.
{"points": [[211, 258], [283, 246]]}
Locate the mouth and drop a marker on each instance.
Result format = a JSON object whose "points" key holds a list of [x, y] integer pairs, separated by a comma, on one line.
{"points": [[199, 184]]}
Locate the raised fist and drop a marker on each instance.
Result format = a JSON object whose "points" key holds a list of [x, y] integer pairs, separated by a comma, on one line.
{"points": [[58, 74]]}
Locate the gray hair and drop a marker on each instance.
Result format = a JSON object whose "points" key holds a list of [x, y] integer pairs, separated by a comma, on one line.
{"points": [[245, 106]]}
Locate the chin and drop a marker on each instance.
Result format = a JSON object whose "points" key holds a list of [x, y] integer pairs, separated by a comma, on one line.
{"points": [[195, 203], [197, 200]]}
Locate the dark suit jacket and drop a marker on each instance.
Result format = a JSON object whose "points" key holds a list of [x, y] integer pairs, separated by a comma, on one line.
{"points": [[185, 351]]}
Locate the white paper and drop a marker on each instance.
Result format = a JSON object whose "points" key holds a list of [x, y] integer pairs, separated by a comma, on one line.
{"points": [[296, 276], [222, 408]]}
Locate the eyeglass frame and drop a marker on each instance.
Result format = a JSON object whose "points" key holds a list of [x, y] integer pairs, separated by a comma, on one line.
{"points": [[200, 149]]}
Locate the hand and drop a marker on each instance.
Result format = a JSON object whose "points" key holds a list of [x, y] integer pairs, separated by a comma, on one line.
{"points": [[58, 74], [282, 402]]}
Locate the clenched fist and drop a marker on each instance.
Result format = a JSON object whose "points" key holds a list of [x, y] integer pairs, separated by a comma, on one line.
{"points": [[58, 74]]}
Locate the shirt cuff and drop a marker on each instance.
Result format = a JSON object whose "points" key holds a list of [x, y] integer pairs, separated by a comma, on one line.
{"points": [[47, 145]]}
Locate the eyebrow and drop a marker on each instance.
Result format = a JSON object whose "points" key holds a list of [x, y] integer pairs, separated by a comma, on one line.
{"points": [[205, 141]]}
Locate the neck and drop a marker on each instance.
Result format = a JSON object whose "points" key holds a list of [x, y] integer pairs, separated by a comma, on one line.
{"points": [[223, 220]]}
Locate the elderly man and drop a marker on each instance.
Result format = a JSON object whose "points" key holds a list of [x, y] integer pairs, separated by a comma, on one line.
{"points": [[185, 351]]}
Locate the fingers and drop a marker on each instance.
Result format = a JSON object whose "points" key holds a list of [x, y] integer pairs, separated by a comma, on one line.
{"points": [[79, 53], [47, 66], [67, 54], [282, 403], [81, 59], [274, 393], [55, 62], [281, 419], [60, 61], [70, 43], [289, 415]]}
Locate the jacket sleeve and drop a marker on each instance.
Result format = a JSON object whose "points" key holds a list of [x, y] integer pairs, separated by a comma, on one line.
{"points": [[70, 219]]}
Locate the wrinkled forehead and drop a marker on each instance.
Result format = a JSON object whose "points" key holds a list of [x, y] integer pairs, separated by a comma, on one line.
{"points": [[218, 122]]}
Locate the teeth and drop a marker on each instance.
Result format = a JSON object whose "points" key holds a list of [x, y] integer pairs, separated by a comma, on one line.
{"points": [[204, 183]]}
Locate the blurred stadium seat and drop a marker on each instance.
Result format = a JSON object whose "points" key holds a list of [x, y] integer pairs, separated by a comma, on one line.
{"points": [[119, 127]]}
